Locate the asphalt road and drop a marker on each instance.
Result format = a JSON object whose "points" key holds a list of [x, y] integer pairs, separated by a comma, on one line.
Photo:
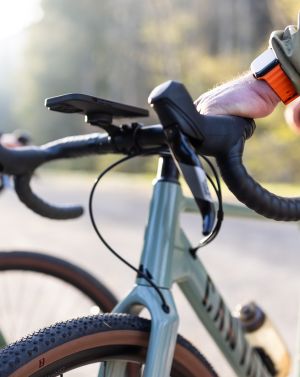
{"points": [[257, 260]]}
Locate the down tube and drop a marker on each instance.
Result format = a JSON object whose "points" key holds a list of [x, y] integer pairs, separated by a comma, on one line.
{"points": [[211, 309]]}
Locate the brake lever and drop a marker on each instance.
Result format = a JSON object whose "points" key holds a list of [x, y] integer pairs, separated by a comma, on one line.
{"points": [[191, 168]]}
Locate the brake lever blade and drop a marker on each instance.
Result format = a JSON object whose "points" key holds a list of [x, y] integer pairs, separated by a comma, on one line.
{"points": [[191, 168]]}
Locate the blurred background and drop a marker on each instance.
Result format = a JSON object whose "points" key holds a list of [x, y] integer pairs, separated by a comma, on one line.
{"points": [[122, 49]]}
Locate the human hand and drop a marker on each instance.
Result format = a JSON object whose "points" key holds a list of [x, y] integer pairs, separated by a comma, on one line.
{"points": [[15, 139], [9, 140], [244, 96], [292, 115]]}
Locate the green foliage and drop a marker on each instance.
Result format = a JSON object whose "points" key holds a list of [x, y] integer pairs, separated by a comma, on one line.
{"points": [[121, 49], [290, 9], [273, 153]]}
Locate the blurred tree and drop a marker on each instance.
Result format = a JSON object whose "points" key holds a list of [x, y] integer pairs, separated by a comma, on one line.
{"points": [[6, 91], [120, 50], [288, 11], [80, 46], [10, 60]]}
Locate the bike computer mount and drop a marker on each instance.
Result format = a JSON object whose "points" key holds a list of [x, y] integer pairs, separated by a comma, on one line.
{"points": [[98, 112]]}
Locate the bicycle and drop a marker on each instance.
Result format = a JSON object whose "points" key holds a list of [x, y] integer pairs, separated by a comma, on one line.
{"points": [[28, 278], [124, 343]]}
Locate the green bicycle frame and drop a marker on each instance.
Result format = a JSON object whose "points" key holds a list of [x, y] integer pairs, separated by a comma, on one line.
{"points": [[167, 259]]}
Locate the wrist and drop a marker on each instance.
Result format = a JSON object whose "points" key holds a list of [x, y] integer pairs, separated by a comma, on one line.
{"points": [[252, 98], [263, 90], [266, 67]]}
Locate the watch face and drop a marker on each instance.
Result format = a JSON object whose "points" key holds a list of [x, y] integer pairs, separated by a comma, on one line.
{"points": [[264, 63]]}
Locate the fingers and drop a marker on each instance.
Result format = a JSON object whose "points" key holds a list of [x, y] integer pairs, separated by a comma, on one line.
{"points": [[216, 101], [292, 115]]}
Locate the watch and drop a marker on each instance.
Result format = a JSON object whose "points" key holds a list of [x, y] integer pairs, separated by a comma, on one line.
{"points": [[267, 67]]}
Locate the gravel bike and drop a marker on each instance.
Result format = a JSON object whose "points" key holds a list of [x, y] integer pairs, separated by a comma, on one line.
{"points": [[122, 342]]}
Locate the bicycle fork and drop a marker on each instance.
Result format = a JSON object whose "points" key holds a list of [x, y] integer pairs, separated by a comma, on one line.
{"points": [[156, 261]]}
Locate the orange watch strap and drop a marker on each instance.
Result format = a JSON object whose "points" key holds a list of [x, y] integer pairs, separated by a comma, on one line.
{"points": [[281, 84]]}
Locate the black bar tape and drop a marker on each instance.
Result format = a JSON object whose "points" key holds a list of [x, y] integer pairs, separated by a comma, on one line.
{"points": [[25, 194], [251, 193]]}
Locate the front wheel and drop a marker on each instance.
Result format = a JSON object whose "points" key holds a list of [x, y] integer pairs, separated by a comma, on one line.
{"points": [[37, 290], [75, 348]]}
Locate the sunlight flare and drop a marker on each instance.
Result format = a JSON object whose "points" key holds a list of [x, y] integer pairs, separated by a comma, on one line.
{"points": [[16, 15]]}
